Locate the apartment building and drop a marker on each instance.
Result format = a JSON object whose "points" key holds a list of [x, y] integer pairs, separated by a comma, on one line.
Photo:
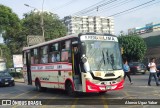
{"points": [[77, 24]]}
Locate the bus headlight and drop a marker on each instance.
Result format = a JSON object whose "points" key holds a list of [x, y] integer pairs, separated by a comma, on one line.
{"points": [[119, 79], [95, 81]]}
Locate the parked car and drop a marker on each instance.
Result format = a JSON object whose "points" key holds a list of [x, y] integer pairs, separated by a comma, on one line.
{"points": [[137, 67], [6, 79]]}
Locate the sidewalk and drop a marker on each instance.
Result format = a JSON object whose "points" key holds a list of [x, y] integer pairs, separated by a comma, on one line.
{"points": [[21, 80]]}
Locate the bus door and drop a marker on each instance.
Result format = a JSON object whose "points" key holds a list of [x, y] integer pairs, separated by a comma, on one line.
{"points": [[76, 66], [28, 64]]}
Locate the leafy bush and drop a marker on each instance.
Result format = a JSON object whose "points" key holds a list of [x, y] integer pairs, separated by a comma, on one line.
{"points": [[134, 47]]}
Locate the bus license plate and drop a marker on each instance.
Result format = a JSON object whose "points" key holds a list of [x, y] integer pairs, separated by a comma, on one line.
{"points": [[108, 87], [6, 83]]}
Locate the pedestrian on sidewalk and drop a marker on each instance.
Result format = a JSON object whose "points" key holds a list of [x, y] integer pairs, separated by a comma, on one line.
{"points": [[152, 70], [126, 70]]}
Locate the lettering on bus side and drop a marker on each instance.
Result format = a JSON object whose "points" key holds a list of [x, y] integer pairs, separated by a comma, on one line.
{"points": [[33, 68], [40, 67], [59, 66], [44, 78], [49, 67]]}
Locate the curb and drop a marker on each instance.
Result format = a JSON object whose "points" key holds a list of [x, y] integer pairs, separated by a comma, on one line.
{"points": [[18, 81]]}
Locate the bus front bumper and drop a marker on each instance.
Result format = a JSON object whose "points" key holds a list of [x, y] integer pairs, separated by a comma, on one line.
{"points": [[91, 87]]}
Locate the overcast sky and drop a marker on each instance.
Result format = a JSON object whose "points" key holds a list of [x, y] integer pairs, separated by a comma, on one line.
{"points": [[137, 18]]}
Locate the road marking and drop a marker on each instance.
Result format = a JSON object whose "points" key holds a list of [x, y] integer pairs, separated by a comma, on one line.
{"points": [[104, 102], [19, 95], [45, 106], [35, 96], [7, 93], [74, 103], [134, 106], [16, 90], [126, 94]]}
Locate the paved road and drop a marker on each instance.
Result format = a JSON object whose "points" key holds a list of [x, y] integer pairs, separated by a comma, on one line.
{"points": [[139, 90]]}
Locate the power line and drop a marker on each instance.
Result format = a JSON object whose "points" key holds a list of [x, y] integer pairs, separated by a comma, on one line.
{"points": [[64, 5], [138, 8], [95, 7], [90, 7], [132, 8], [113, 6], [101, 5]]}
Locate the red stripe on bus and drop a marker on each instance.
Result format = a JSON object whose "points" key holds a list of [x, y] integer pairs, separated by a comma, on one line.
{"points": [[50, 82], [49, 70], [52, 64]]}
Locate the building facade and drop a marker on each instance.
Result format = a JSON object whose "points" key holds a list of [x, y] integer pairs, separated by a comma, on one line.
{"points": [[148, 28], [77, 24]]}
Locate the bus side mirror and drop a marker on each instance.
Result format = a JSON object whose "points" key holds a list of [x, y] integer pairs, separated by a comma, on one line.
{"points": [[84, 60]]}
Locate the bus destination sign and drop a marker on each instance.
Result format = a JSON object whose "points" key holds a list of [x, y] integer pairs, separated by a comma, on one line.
{"points": [[101, 38]]}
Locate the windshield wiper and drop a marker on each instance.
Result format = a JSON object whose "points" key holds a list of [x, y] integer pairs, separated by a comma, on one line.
{"points": [[110, 59], [107, 56], [102, 60], [103, 57]]}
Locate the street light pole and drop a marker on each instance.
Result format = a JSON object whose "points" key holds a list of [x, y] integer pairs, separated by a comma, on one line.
{"points": [[42, 22], [42, 19]]}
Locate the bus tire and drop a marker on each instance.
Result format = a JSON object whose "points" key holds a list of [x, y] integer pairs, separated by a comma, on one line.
{"points": [[38, 86], [69, 89], [102, 92]]}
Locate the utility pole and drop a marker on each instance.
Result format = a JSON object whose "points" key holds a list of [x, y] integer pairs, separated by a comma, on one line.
{"points": [[42, 22], [42, 19]]}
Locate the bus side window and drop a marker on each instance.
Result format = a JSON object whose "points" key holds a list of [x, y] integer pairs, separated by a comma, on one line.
{"points": [[32, 56], [44, 54], [36, 55], [54, 54], [66, 51]]}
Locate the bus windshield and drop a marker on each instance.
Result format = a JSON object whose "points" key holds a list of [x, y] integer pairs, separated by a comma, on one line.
{"points": [[103, 55]]}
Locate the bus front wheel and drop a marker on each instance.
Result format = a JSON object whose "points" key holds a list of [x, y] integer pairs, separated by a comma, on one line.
{"points": [[70, 89], [38, 86]]}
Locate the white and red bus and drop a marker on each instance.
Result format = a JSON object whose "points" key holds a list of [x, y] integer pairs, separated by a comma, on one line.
{"points": [[86, 62]]}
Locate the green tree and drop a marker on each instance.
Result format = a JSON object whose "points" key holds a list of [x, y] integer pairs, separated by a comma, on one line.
{"points": [[53, 27], [7, 55], [10, 24], [134, 47]]}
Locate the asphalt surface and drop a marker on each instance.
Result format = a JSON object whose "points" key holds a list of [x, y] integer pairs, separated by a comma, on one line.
{"points": [[138, 90]]}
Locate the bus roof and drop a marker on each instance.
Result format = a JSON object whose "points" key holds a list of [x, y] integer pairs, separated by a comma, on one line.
{"points": [[51, 41], [63, 38]]}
